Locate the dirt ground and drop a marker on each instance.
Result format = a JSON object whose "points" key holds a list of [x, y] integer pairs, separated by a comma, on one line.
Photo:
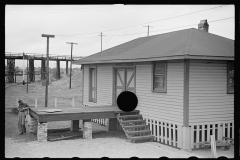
{"points": [[112, 144]]}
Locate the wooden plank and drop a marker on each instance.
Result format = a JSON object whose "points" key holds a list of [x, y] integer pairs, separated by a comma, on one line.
{"points": [[165, 129], [154, 130], [208, 132], [192, 136], [170, 133], [179, 136], [197, 136], [174, 135], [158, 135], [150, 123], [219, 130], [223, 130], [161, 132], [213, 130], [75, 116], [203, 133], [228, 130]]}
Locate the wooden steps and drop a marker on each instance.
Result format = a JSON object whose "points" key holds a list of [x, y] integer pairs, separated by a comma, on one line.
{"points": [[135, 127]]}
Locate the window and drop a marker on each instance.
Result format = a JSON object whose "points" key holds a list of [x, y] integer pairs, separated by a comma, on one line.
{"points": [[92, 85], [159, 77], [230, 77]]}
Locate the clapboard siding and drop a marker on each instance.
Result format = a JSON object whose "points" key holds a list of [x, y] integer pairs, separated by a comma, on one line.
{"points": [[208, 98], [161, 106], [104, 85]]}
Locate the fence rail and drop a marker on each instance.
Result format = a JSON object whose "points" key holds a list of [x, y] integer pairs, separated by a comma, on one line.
{"points": [[202, 133], [165, 132]]}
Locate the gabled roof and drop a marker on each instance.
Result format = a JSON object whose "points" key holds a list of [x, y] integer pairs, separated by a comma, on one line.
{"points": [[184, 44]]}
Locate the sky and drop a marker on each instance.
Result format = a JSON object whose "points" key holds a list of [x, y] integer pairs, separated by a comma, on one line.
{"points": [[83, 24]]}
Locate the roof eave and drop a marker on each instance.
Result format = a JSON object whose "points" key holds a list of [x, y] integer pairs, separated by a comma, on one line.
{"points": [[157, 59]]}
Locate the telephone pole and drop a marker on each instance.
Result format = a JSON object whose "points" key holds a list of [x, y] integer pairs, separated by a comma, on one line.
{"points": [[101, 40], [47, 71], [23, 70], [148, 28], [71, 62]]}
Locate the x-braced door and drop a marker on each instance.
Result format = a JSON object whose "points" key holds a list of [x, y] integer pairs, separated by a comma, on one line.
{"points": [[125, 81]]}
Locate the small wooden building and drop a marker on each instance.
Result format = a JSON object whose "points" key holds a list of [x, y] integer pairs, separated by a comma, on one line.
{"points": [[184, 81]]}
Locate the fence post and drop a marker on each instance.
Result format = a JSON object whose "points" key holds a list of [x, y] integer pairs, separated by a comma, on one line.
{"points": [[72, 102], [213, 146], [55, 102], [35, 102]]}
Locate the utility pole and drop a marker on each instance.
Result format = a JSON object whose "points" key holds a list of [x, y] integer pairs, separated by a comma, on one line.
{"points": [[148, 29], [101, 40], [23, 70], [47, 71], [27, 74], [71, 62]]}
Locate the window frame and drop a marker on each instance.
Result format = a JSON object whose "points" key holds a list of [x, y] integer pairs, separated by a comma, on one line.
{"points": [[91, 99], [230, 90], [153, 74]]}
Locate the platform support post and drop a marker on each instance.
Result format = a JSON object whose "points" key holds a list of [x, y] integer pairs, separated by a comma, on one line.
{"points": [[75, 125], [42, 132], [87, 129], [112, 124]]}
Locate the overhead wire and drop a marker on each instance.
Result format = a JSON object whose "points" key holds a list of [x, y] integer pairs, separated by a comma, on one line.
{"points": [[142, 23], [172, 28]]}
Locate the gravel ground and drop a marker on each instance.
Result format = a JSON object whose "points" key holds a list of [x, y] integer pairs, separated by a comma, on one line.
{"points": [[104, 144]]}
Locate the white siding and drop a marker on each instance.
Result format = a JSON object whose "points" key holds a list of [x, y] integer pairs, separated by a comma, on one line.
{"points": [[104, 85], [208, 98], [168, 106]]}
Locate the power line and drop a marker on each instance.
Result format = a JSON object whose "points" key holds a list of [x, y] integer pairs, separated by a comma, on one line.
{"points": [[171, 28], [66, 10], [144, 23]]}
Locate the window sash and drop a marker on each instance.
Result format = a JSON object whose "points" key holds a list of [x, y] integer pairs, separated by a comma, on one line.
{"points": [[159, 76], [230, 77], [92, 85]]}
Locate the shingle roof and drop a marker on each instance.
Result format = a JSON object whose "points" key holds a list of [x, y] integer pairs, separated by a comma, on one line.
{"points": [[189, 43]]}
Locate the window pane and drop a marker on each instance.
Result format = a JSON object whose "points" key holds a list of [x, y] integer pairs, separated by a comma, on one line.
{"points": [[159, 68], [93, 78], [159, 82], [231, 77]]}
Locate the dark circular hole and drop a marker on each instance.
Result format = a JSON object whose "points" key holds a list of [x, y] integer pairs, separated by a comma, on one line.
{"points": [[127, 101]]}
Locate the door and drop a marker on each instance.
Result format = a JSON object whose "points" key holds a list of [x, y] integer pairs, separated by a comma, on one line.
{"points": [[124, 81]]}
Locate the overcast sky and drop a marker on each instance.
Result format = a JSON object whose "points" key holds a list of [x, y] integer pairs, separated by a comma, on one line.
{"points": [[82, 24]]}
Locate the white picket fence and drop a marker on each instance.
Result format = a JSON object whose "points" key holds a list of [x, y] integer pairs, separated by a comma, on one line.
{"points": [[101, 121], [165, 132], [202, 133]]}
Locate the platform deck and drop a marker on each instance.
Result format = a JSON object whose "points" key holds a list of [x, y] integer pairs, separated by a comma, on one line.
{"points": [[76, 113]]}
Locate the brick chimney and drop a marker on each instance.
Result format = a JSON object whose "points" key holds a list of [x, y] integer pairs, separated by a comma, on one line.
{"points": [[203, 25]]}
